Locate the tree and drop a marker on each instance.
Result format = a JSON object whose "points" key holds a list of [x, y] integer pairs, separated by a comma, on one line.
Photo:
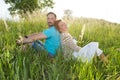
{"points": [[24, 6], [67, 13]]}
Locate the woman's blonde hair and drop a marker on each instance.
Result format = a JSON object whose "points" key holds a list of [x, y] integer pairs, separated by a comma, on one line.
{"points": [[56, 24]]}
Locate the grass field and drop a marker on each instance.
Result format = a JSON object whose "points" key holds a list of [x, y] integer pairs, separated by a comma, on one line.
{"points": [[16, 64]]}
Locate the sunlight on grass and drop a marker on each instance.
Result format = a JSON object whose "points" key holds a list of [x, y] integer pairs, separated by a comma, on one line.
{"points": [[16, 64]]}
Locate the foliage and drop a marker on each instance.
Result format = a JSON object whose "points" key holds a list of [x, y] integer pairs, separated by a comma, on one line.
{"points": [[24, 6]]}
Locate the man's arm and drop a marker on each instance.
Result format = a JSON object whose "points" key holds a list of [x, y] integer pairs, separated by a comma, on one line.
{"points": [[36, 36], [31, 38], [31, 34]]}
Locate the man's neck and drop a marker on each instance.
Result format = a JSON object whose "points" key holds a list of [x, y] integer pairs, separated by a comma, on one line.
{"points": [[51, 26]]}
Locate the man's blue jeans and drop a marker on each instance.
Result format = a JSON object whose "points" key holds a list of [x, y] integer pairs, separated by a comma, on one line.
{"points": [[39, 46]]}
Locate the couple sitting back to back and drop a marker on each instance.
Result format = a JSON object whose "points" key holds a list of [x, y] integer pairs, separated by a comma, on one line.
{"points": [[57, 34], [51, 36]]}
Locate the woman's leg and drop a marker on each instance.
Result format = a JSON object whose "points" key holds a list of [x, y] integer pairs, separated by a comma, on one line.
{"points": [[89, 51]]}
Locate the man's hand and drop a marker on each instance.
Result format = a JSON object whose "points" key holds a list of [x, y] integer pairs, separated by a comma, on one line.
{"points": [[30, 38], [20, 40]]}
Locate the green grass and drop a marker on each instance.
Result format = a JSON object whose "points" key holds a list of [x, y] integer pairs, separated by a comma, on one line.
{"points": [[16, 64]]}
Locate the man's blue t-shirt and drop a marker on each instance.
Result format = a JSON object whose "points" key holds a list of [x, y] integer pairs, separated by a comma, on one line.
{"points": [[52, 42]]}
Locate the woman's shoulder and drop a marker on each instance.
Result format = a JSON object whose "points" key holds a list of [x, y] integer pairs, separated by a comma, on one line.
{"points": [[65, 35]]}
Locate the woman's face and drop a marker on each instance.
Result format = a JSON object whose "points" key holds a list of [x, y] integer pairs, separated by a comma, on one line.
{"points": [[62, 26]]}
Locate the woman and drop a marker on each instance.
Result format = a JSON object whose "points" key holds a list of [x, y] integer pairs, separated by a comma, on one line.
{"points": [[70, 48]]}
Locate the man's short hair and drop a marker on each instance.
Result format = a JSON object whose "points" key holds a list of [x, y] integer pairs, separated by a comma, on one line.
{"points": [[52, 13]]}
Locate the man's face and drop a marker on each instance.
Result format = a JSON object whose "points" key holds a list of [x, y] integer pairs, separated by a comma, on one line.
{"points": [[51, 19]]}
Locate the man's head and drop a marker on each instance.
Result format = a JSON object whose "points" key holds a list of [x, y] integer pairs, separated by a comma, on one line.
{"points": [[51, 18]]}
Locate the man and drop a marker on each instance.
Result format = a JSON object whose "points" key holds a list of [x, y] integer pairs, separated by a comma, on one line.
{"points": [[51, 35]]}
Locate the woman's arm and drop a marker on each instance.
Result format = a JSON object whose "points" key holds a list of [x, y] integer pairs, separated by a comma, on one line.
{"points": [[67, 40]]}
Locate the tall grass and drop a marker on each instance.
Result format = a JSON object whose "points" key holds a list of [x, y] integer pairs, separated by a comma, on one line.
{"points": [[16, 64]]}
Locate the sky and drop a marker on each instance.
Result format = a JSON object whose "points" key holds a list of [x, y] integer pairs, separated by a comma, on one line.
{"points": [[4, 13], [100, 9]]}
